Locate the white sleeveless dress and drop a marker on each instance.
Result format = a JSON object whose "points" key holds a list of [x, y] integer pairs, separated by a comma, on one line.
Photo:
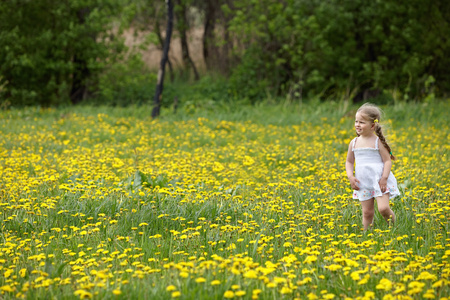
{"points": [[368, 170]]}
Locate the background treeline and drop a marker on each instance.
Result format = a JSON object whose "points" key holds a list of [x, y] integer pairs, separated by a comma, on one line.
{"points": [[61, 52]]}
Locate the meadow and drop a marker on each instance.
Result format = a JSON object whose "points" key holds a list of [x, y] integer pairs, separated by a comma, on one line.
{"points": [[217, 203]]}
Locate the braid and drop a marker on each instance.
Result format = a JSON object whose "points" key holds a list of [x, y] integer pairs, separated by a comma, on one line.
{"points": [[373, 113], [383, 139]]}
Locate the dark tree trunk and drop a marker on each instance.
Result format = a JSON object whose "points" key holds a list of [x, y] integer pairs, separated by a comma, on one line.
{"points": [[161, 42], [165, 57], [209, 49], [81, 72], [182, 27], [228, 45]]}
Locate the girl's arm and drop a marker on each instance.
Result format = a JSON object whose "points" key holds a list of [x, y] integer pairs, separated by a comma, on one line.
{"points": [[349, 164], [385, 156]]}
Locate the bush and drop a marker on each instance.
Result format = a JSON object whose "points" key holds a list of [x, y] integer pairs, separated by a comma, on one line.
{"points": [[49, 47], [126, 83], [336, 49]]}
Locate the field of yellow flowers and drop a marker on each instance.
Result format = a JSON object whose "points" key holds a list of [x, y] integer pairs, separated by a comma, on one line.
{"points": [[105, 204]]}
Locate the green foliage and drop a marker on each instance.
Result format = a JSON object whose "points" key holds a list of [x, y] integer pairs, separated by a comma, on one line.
{"points": [[85, 216], [44, 41], [141, 179], [207, 94], [207, 89], [125, 83], [337, 48], [293, 49], [250, 78]]}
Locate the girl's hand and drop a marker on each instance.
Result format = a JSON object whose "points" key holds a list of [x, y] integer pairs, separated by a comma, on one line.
{"points": [[354, 183], [383, 184]]}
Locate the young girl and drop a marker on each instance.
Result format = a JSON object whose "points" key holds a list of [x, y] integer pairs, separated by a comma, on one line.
{"points": [[373, 177]]}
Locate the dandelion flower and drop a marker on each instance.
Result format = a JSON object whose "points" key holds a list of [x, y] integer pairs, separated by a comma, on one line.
{"points": [[385, 285], [176, 294], [215, 282], [200, 280], [117, 292], [170, 288], [228, 294]]}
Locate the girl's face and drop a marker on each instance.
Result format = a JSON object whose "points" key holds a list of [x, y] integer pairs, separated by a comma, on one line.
{"points": [[363, 126]]}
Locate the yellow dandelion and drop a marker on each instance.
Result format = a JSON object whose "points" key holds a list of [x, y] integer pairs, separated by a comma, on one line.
{"points": [[426, 276], [228, 294], [364, 280], [415, 287], [310, 259], [23, 272], [312, 296], [430, 294], [215, 282], [400, 287], [83, 294], [334, 267], [117, 292], [439, 283], [384, 284], [184, 274], [7, 288], [7, 273], [248, 161], [170, 288], [176, 294], [218, 167], [251, 274], [369, 295]]}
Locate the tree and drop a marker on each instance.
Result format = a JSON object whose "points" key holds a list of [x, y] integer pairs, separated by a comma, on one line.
{"points": [[165, 56], [81, 72], [51, 51], [209, 49], [339, 48], [217, 40], [182, 26]]}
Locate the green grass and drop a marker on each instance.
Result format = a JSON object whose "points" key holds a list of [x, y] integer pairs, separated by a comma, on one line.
{"points": [[214, 201]]}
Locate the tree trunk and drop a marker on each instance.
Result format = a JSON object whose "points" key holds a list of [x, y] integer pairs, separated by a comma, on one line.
{"points": [[79, 86], [161, 42], [81, 72], [209, 49], [165, 57], [228, 45], [182, 27]]}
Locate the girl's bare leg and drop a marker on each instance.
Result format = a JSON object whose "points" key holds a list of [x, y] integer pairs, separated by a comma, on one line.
{"points": [[385, 210], [368, 212]]}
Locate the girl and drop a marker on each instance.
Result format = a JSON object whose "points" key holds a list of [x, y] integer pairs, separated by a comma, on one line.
{"points": [[373, 177]]}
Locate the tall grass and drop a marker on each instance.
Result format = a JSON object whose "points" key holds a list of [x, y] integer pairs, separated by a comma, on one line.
{"points": [[216, 201]]}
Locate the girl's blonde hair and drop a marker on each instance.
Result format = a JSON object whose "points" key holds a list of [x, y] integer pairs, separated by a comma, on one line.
{"points": [[373, 114]]}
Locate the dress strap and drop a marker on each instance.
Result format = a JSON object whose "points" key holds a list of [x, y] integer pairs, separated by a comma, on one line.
{"points": [[354, 142], [376, 143]]}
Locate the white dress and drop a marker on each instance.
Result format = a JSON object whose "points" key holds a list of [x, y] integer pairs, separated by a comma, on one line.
{"points": [[368, 170]]}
